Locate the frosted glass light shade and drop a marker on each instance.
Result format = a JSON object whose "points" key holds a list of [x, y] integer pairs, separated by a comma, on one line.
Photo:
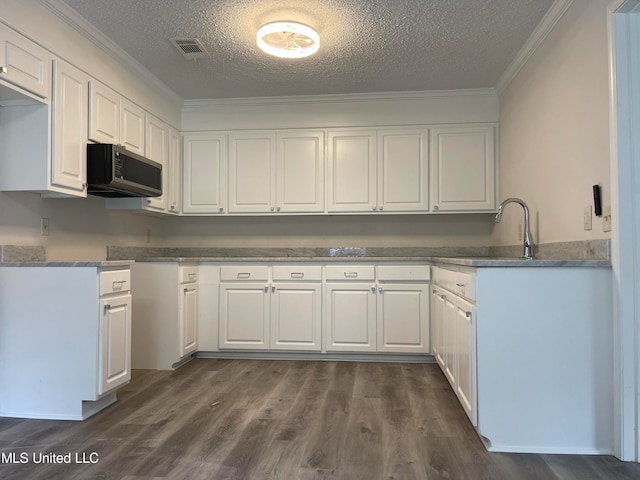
{"points": [[288, 39]]}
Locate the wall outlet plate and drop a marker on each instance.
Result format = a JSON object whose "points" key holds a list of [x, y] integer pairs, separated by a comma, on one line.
{"points": [[587, 218], [44, 227], [606, 218]]}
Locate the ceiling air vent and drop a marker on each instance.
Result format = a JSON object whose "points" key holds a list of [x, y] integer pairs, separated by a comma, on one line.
{"points": [[190, 48]]}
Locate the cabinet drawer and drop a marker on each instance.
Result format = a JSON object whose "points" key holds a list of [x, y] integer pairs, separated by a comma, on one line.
{"points": [[350, 272], [188, 273], [403, 273], [309, 273], [249, 273], [463, 284], [112, 281]]}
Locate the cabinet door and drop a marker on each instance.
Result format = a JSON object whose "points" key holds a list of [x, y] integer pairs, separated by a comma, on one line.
{"points": [[188, 319], [296, 316], [70, 109], [352, 171], [252, 172], [132, 126], [437, 326], [174, 197], [403, 318], [448, 349], [466, 358], [244, 316], [350, 318], [463, 168], [104, 114], [157, 149], [28, 66], [114, 365], [204, 172], [300, 172], [403, 170]]}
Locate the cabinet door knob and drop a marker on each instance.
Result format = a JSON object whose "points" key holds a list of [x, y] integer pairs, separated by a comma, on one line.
{"points": [[374, 208], [272, 209], [373, 289], [380, 290], [3, 69], [266, 288], [436, 207], [380, 208], [468, 314], [221, 209]]}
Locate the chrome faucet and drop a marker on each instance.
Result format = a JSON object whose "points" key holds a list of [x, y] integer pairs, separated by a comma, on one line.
{"points": [[528, 243]]}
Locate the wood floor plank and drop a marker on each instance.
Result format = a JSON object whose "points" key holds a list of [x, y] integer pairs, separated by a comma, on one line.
{"points": [[284, 420]]}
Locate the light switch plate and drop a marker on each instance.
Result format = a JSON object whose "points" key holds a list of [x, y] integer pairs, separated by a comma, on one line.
{"points": [[587, 218], [606, 218]]}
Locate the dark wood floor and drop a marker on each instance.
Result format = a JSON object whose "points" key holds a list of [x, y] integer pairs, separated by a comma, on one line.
{"points": [[237, 419]]}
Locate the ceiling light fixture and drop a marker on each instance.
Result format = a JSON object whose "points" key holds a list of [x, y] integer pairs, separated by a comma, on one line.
{"points": [[288, 39]]}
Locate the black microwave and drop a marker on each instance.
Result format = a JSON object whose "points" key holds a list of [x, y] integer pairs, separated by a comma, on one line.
{"points": [[113, 171]]}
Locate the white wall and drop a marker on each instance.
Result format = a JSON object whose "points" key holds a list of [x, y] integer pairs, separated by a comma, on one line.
{"points": [[554, 130]]}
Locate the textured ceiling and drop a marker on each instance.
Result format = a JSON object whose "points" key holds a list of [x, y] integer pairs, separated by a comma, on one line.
{"points": [[365, 45]]}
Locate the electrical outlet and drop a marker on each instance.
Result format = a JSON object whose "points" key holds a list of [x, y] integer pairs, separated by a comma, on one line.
{"points": [[148, 235], [44, 227], [587, 218], [606, 218]]}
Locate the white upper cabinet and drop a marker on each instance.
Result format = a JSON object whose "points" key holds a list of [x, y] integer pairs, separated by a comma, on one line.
{"points": [[174, 197], [24, 64], [403, 170], [69, 166], [204, 173], [300, 172], [352, 171], [252, 158], [132, 127], [463, 168], [114, 119], [104, 114], [157, 149], [375, 171]]}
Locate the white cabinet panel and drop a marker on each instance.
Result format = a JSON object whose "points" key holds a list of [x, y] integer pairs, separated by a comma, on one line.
{"points": [[463, 168], [350, 317], [174, 183], [28, 66], [204, 173], [403, 170], [300, 172], [157, 149], [251, 172], [115, 343], [104, 117], [69, 169], [132, 126], [188, 319], [466, 358], [352, 171], [403, 318], [437, 325], [296, 316], [244, 316]]}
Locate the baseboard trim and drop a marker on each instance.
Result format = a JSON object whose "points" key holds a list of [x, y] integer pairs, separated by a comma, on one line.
{"points": [[316, 356]]}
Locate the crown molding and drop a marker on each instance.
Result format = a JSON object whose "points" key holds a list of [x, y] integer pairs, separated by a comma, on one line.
{"points": [[81, 25], [553, 15], [341, 98]]}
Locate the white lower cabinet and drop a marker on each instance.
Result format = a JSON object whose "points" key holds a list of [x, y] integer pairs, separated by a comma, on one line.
{"points": [[276, 308], [165, 324], [377, 309], [454, 343], [78, 337]]}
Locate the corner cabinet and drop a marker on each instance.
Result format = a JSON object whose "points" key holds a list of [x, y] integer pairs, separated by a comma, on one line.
{"points": [[165, 301], [463, 168], [78, 336]]}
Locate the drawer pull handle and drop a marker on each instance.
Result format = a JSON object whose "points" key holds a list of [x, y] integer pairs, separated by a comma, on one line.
{"points": [[459, 284], [244, 274], [351, 274], [297, 274], [189, 290], [117, 285]]}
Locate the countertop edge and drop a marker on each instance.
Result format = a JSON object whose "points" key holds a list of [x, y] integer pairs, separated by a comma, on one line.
{"points": [[102, 263]]}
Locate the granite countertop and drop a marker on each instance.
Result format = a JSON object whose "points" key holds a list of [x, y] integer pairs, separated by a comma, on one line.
{"points": [[463, 261], [103, 263]]}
